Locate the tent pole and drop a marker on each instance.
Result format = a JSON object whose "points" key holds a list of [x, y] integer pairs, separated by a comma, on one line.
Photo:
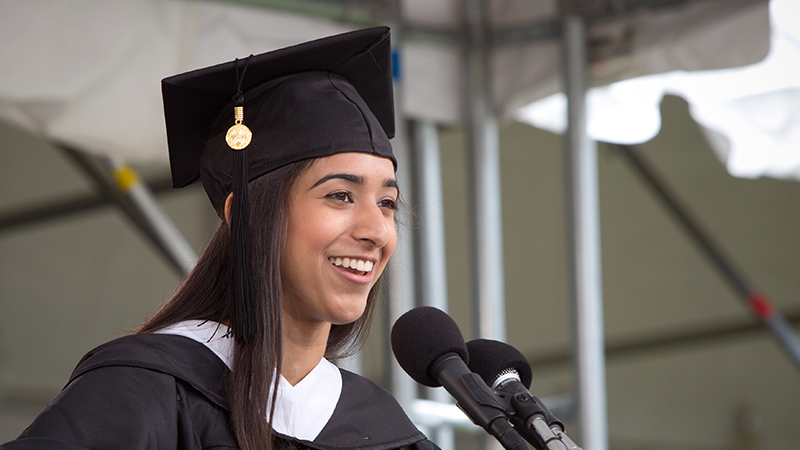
{"points": [[483, 156], [432, 261], [427, 159], [401, 290], [170, 239], [135, 199], [758, 303], [483, 151], [583, 219], [66, 206]]}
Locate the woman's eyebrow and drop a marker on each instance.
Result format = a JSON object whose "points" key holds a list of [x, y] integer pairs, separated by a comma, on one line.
{"points": [[340, 176], [390, 183]]}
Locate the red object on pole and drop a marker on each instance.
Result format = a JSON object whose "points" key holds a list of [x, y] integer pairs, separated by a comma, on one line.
{"points": [[761, 306]]}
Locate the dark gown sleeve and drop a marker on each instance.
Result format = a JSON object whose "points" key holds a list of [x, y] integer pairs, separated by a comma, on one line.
{"points": [[109, 408], [136, 393]]}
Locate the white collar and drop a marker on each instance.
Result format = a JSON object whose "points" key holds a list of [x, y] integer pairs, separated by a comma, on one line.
{"points": [[213, 335], [302, 410]]}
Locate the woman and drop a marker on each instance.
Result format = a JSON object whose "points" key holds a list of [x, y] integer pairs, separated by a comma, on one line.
{"points": [[307, 204]]}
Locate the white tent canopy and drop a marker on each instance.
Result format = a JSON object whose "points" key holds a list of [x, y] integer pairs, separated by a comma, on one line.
{"points": [[751, 114], [87, 74]]}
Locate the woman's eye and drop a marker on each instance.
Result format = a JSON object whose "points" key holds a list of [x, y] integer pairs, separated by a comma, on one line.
{"points": [[388, 204], [341, 196]]}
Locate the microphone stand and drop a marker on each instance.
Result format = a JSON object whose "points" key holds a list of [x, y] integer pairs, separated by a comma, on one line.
{"points": [[477, 400], [534, 421]]}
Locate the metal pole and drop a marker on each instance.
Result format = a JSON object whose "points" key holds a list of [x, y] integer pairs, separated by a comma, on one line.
{"points": [[483, 152], [432, 257], [65, 207], [758, 303], [401, 266], [149, 219], [484, 165], [164, 230], [584, 242]]}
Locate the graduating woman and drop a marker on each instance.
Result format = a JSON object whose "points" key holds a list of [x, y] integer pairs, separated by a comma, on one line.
{"points": [[292, 147]]}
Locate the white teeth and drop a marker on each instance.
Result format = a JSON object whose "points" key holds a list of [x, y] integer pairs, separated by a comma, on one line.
{"points": [[356, 264]]}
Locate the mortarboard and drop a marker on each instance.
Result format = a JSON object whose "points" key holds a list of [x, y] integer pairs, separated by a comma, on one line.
{"points": [[194, 100], [310, 100]]}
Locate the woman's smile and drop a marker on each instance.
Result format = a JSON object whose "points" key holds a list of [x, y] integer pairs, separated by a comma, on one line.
{"points": [[361, 268]]}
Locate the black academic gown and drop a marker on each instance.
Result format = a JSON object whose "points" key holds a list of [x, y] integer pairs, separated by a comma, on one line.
{"points": [[159, 391]]}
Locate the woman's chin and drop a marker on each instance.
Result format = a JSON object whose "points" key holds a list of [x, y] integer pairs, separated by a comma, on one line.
{"points": [[347, 316]]}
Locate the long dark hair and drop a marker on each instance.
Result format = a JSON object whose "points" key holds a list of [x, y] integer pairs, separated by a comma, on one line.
{"points": [[205, 295]]}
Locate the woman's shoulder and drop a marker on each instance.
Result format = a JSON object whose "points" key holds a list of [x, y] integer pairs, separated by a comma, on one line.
{"points": [[359, 388], [368, 416], [135, 392], [176, 356]]}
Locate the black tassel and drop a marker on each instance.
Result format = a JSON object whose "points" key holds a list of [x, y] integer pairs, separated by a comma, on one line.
{"points": [[242, 314], [242, 311]]}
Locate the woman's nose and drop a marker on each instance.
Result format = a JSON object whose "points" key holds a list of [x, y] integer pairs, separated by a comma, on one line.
{"points": [[374, 226]]}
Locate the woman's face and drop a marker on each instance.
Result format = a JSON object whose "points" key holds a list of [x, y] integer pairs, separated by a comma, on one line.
{"points": [[339, 236]]}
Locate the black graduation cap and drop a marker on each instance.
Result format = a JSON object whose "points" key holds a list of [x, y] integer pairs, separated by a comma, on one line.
{"points": [[194, 100], [310, 100]]}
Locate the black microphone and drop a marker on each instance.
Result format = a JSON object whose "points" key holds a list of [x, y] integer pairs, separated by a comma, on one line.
{"points": [[507, 371], [430, 348]]}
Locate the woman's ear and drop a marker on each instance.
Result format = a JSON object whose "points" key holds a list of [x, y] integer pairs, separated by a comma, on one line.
{"points": [[228, 202]]}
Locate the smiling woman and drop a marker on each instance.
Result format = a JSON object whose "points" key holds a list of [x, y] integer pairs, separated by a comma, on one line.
{"points": [[341, 209], [238, 356]]}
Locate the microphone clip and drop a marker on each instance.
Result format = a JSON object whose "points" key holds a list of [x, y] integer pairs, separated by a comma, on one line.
{"points": [[532, 419], [484, 409]]}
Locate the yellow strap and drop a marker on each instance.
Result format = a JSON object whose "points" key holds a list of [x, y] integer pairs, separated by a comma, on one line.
{"points": [[126, 178]]}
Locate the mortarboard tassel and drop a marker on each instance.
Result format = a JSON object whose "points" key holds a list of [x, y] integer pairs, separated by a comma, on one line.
{"points": [[238, 137]]}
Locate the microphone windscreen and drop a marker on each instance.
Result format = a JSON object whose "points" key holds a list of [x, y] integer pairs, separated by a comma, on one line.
{"points": [[489, 358], [422, 335]]}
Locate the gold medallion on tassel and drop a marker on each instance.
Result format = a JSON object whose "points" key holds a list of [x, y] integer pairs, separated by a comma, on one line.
{"points": [[238, 136]]}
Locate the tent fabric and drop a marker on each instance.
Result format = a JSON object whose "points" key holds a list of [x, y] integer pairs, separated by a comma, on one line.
{"points": [[87, 73], [750, 114]]}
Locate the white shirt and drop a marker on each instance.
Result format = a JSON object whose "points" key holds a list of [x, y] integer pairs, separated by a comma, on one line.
{"points": [[302, 410]]}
